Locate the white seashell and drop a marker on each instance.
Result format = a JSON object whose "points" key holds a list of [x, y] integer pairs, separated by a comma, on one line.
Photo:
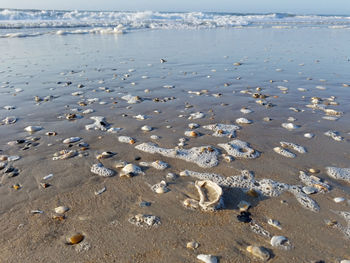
{"points": [[291, 119], [47, 176], [207, 258], [289, 126], [13, 158], [126, 139], [114, 130], [146, 128], [71, 140], [243, 121], [339, 199], [345, 261], [132, 99], [88, 111], [192, 245], [120, 164], [33, 128], [8, 107], [130, 170], [9, 120], [210, 195], [309, 135], [280, 242], [61, 209], [154, 137], [274, 223]]}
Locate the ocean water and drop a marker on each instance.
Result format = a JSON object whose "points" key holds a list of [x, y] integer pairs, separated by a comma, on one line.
{"points": [[25, 23]]}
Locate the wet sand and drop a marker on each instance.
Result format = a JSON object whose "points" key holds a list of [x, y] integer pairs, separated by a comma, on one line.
{"points": [[272, 59]]}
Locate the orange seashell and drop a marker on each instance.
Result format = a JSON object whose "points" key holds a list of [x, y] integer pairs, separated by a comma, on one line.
{"points": [[75, 239]]}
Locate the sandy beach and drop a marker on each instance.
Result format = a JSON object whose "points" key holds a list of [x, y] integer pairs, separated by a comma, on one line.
{"points": [[179, 105]]}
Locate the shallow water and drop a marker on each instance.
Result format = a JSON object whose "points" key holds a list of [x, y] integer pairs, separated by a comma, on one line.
{"points": [[196, 60]]}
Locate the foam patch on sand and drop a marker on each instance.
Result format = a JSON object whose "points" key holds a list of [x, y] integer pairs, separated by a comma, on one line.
{"points": [[339, 173], [223, 130], [205, 156], [266, 187], [239, 149]]}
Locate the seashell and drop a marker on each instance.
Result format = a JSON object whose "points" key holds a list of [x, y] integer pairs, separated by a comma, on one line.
{"points": [[309, 190], [192, 245], [160, 188], [314, 171], [280, 242], [105, 155], [243, 206], [243, 121], [33, 128], [154, 137], [13, 158], [45, 185], [9, 120], [36, 211], [130, 170], [339, 199], [146, 128], [207, 258], [61, 209], [246, 111], [309, 135], [98, 192], [210, 195], [16, 186], [100, 170], [193, 125], [126, 139], [289, 126], [71, 140], [9, 107], [237, 64], [51, 133], [131, 99], [274, 223], [191, 134], [267, 119], [259, 252], [75, 239], [48, 176]]}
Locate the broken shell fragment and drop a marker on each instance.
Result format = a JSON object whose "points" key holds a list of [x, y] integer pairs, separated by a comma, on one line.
{"points": [[160, 188], [130, 170], [192, 245], [71, 140], [61, 209], [33, 128], [280, 242], [259, 252], [274, 223]]}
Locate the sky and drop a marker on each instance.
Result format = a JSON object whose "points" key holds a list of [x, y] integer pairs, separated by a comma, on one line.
{"points": [[240, 6]]}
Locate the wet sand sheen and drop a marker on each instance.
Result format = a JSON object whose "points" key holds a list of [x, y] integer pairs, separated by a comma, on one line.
{"points": [[110, 68]]}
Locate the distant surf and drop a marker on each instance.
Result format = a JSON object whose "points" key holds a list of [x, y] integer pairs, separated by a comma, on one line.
{"points": [[21, 23]]}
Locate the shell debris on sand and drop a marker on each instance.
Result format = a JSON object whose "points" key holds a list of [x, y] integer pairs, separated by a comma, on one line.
{"points": [[126, 139], [100, 170], [64, 154], [146, 221]]}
